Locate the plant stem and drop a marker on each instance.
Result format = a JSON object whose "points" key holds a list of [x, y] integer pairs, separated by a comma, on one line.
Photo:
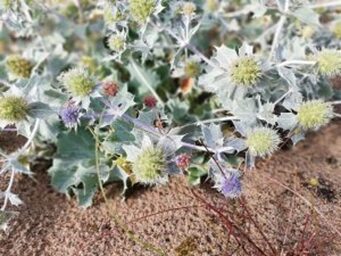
{"points": [[131, 235], [213, 120], [296, 62], [8, 190], [325, 5], [31, 138], [274, 46], [146, 83], [202, 56]]}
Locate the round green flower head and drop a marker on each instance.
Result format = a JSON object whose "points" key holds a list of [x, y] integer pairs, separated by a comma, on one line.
{"points": [[13, 109], [116, 43], [262, 141], [245, 71], [314, 114], [329, 62], [337, 30], [150, 165], [18, 66], [212, 5], [78, 82], [140, 10], [188, 8], [6, 4], [110, 16], [192, 68]]}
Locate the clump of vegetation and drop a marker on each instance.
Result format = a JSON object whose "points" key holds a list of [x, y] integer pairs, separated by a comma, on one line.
{"points": [[139, 90]]}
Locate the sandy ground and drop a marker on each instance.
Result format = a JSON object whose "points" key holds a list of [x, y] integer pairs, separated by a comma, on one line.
{"points": [[49, 224]]}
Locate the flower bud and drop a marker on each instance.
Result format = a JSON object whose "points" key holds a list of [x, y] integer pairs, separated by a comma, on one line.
{"points": [[77, 81], [18, 66], [245, 71], [188, 8], [116, 43], [192, 69], [314, 114], [150, 101], [262, 141], [150, 165], [337, 30], [183, 161], [13, 109], [212, 5], [110, 88], [329, 62], [111, 16], [140, 10]]}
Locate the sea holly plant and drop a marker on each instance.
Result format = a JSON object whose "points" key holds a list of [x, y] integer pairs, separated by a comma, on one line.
{"points": [[137, 91]]}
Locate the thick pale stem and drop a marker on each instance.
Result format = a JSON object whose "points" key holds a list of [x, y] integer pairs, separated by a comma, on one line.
{"points": [[277, 35], [8, 190], [213, 120], [325, 5], [296, 62]]}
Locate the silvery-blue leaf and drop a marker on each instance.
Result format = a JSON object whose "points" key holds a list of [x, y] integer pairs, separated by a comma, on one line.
{"points": [[249, 160], [237, 144], [288, 75], [213, 135], [18, 167], [293, 100], [120, 174], [14, 199], [170, 143], [307, 15], [287, 121], [297, 138], [147, 80], [266, 113], [40, 110]]}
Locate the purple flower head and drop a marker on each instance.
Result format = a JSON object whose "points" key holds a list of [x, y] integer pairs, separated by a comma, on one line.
{"points": [[229, 185], [70, 114]]}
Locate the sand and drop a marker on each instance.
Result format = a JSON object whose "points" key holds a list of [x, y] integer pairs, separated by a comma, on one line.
{"points": [[51, 224]]}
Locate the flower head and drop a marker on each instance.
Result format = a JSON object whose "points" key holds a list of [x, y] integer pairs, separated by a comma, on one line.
{"points": [[232, 71], [13, 109], [6, 4], [140, 10], [18, 66], [212, 5], [70, 115], [110, 88], [112, 15], [150, 165], [314, 114], [329, 62], [262, 141], [245, 71], [192, 68], [337, 30], [183, 161], [229, 186], [188, 8], [116, 42], [77, 81], [150, 101]]}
